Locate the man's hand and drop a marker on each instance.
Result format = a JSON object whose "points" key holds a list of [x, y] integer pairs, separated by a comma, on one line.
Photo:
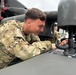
{"points": [[53, 46]]}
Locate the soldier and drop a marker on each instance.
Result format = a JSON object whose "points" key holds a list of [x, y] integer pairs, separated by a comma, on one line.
{"points": [[21, 41], [56, 33]]}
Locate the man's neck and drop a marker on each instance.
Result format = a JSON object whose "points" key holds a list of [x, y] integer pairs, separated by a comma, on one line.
{"points": [[25, 30]]}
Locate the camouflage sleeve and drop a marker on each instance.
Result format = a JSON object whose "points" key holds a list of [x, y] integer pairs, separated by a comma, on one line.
{"points": [[24, 50], [57, 35]]}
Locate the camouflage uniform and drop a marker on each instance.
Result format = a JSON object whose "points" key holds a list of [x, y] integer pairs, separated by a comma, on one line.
{"points": [[13, 43], [57, 36]]}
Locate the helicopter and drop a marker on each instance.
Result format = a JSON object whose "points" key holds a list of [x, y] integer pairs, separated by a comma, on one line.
{"points": [[54, 63]]}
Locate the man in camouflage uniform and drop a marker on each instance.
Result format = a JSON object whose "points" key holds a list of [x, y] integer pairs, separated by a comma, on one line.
{"points": [[62, 41], [56, 33], [17, 40]]}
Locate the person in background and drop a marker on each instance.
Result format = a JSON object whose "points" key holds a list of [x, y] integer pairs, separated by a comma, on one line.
{"points": [[56, 32], [61, 41]]}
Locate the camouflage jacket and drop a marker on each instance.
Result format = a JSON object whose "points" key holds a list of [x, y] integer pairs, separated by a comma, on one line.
{"points": [[57, 36], [19, 45]]}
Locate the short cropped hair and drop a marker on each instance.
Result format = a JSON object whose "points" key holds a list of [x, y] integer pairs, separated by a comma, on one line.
{"points": [[34, 14], [63, 39]]}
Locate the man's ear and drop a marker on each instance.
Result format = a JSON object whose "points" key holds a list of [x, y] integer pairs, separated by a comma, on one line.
{"points": [[29, 21]]}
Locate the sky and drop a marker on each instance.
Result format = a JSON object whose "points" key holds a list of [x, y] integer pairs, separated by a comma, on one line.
{"points": [[44, 5]]}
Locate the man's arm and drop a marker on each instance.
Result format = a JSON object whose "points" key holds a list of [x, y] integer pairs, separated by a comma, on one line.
{"points": [[22, 49]]}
